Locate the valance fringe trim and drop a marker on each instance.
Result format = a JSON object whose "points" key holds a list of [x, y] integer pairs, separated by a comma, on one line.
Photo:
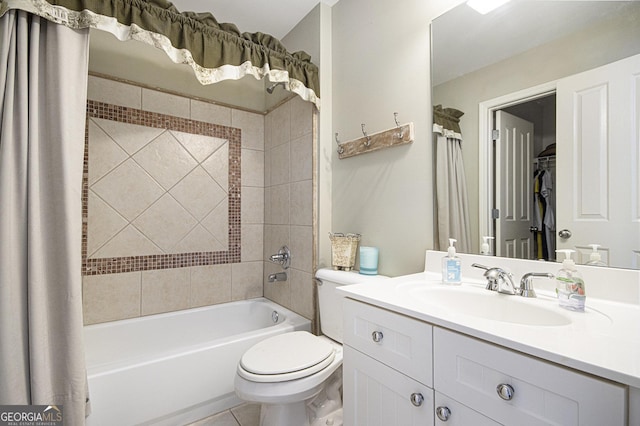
{"points": [[215, 52]]}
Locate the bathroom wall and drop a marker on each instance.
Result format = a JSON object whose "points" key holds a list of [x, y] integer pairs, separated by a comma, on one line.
{"points": [[154, 240], [381, 66], [288, 181]]}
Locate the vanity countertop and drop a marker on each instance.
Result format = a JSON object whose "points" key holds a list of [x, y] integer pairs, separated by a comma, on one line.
{"points": [[603, 341]]}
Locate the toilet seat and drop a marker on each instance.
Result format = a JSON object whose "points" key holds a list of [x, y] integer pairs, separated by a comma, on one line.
{"points": [[284, 357]]}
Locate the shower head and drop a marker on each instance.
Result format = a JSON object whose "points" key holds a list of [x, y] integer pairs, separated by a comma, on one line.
{"points": [[271, 88]]}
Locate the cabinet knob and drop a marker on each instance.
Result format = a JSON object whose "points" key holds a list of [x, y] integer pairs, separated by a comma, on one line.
{"points": [[505, 391], [377, 336], [417, 399], [443, 413]]}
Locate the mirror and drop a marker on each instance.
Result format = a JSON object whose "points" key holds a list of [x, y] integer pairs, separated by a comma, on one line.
{"points": [[479, 59]]}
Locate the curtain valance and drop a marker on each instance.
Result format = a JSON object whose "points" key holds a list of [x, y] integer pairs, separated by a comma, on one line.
{"points": [[446, 121], [215, 51]]}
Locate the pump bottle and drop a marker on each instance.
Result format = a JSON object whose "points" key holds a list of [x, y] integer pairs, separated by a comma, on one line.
{"points": [[485, 250], [570, 285], [451, 266], [594, 258]]}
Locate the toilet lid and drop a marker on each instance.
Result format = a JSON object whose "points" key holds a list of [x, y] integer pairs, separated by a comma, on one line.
{"points": [[298, 352]]}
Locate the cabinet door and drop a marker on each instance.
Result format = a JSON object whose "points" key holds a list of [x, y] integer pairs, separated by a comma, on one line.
{"points": [[532, 391], [376, 395], [401, 342], [450, 412]]}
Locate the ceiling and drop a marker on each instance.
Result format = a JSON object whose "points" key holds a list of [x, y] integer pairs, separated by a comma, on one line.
{"points": [[275, 17], [515, 27]]}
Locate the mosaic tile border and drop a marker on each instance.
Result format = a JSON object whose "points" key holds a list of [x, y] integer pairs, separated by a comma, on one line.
{"points": [[129, 115]]}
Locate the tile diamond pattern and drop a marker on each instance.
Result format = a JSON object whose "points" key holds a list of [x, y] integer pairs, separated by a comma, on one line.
{"points": [[168, 188], [165, 160]]}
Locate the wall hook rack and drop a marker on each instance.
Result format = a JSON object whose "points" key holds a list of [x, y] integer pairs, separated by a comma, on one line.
{"points": [[399, 135], [368, 141], [340, 147]]}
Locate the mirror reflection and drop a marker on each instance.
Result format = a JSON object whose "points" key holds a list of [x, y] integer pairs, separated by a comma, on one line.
{"points": [[550, 76]]}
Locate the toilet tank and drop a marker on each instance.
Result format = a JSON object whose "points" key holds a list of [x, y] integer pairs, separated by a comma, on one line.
{"points": [[330, 302]]}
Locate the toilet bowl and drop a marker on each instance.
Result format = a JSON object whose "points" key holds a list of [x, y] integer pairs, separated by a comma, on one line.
{"points": [[297, 377]]}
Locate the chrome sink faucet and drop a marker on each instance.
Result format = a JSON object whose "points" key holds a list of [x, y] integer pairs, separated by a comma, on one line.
{"points": [[498, 280], [526, 283]]}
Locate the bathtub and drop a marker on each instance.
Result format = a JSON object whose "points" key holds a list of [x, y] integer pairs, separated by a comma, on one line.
{"points": [[177, 367]]}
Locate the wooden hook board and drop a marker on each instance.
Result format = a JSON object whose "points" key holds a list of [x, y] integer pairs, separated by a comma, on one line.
{"points": [[380, 140]]}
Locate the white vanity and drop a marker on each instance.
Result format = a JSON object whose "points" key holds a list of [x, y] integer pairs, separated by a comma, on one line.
{"points": [[419, 352]]}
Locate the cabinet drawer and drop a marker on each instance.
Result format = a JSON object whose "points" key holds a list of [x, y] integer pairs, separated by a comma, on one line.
{"points": [[400, 342], [458, 414], [470, 371], [376, 395]]}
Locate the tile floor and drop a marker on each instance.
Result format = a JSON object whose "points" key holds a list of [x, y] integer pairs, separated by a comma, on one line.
{"points": [[242, 415]]}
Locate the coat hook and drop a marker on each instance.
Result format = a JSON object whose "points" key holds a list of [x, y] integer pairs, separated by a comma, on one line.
{"points": [[340, 147], [400, 134], [368, 142]]}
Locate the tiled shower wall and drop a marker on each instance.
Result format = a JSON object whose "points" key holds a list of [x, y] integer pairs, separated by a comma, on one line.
{"points": [[288, 151], [177, 224]]}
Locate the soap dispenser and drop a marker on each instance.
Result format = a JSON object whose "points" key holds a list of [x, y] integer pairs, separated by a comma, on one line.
{"points": [[451, 266], [570, 285], [594, 258], [485, 250]]}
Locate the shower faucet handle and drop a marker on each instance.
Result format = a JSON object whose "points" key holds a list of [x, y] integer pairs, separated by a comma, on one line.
{"points": [[283, 257]]}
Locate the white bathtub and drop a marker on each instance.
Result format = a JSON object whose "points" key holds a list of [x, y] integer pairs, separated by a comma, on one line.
{"points": [[178, 367]]}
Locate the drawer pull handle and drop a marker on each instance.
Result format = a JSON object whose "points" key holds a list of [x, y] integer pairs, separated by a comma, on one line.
{"points": [[443, 413], [377, 336], [505, 391], [417, 399]]}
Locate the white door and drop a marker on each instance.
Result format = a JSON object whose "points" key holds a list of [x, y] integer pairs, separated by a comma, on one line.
{"points": [[514, 191], [598, 197]]}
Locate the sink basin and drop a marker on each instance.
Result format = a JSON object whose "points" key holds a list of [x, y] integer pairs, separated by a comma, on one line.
{"points": [[490, 305]]}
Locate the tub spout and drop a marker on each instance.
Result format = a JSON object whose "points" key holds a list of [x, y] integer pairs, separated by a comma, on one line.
{"points": [[280, 276]]}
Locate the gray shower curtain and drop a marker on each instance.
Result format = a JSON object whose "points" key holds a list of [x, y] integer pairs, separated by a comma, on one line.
{"points": [[451, 185], [43, 84]]}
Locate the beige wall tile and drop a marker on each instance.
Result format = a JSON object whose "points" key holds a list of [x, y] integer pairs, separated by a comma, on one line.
{"points": [[301, 246], [252, 126], [281, 125], [301, 158], [252, 242], [252, 205], [301, 117], [210, 113], [302, 293], [302, 203], [280, 164], [164, 103], [280, 204], [165, 290], [246, 280], [110, 297], [279, 292], [276, 236], [210, 285], [268, 131], [113, 92], [252, 168]]}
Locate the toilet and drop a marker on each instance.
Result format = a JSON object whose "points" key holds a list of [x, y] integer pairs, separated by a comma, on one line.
{"points": [[297, 376]]}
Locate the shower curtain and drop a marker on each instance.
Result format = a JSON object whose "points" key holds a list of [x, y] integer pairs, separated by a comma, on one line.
{"points": [[43, 84], [451, 186]]}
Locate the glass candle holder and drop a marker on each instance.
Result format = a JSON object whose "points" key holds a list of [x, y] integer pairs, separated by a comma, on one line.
{"points": [[369, 260]]}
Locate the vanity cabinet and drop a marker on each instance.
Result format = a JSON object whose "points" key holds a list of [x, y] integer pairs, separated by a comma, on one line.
{"points": [[513, 388], [387, 368], [400, 370]]}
